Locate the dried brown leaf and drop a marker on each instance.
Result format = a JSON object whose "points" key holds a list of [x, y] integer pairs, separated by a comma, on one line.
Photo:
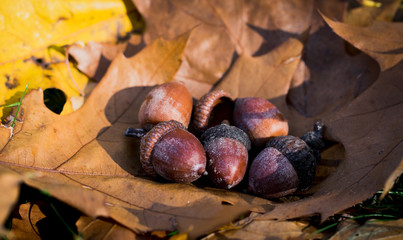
{"points": [[91, 228], [9, 189], [370, 130], [85, 160], [24, 225], [249, 27], [329, 78], [266, 76], [95, 58], [366, 15], [372, 229], [381, 40], [264, 230]]}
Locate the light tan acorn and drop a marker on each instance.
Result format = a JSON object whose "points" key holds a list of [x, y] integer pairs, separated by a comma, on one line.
{"points": [[168, 101]]}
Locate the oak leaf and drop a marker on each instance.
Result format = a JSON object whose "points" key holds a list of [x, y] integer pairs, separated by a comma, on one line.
{"points": [[34, 34], [84, 159]]}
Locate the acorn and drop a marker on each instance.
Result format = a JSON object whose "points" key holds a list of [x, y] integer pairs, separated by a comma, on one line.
{"points": [[227, 154], [260, 119], [168, 101], [212, 109], [170, 151], [287, 164]]}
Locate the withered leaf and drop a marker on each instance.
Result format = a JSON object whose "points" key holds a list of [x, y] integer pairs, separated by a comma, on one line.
{"points": [[372, 229], [365, 15], [266, 76], [381, 40], [370, 130], [24, 225], [222, 27], [94, 59], [85, 160], [9, 188], [264, 230], [91, 228]]}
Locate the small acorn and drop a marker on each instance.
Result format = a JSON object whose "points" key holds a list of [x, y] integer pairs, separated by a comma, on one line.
{"points": [[227, 154], [168, 101], [260, 119], [286, 165], [211, 110], [170, 151]]}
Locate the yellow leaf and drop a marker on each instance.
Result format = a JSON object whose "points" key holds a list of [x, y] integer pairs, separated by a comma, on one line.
{"points": [[32, 33]]}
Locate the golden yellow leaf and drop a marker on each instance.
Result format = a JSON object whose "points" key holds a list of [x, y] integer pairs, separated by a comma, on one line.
{"points": [[33, 36]]}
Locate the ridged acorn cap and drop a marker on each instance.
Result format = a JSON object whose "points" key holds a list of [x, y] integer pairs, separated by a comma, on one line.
{"points": [[150, 139], [300, 155], [227, 131], [204, 107]]}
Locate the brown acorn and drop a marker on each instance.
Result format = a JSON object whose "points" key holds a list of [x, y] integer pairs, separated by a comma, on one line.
{"points": [[168, 101], [286, 165], [227, 154], [170, 151], [260, 119], [212, 109]]}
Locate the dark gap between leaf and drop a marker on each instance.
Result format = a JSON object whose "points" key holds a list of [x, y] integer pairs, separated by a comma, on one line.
{"points": [[54, 99]]}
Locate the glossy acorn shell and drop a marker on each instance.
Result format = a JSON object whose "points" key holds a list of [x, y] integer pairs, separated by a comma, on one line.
{"points": [[300, 155], [260, 119], [286, 165], [173, 153], [227, 161], [227, 154], [271, 175], [168, 101]]}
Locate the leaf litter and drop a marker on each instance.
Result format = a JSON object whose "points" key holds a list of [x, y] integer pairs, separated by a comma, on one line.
{"points": [[92, 169]]}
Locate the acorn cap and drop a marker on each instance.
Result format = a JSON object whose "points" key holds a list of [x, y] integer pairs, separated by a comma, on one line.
{"points": [[226, 131], [314, 139], [300, 155], [204, 107], [151, 138]]}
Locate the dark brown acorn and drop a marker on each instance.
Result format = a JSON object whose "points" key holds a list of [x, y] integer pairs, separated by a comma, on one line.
{"points": [[170, 151], [260, 119], [168, 101], [286, 165], [212, 109], [227, 154]]}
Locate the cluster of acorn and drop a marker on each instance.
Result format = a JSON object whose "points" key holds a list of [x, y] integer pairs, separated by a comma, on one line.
{"points": [[181, 142]]}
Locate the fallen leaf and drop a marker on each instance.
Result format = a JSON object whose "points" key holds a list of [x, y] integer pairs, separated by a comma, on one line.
{"points": [[93, 167], [381, 40], [266, 76], [372, 229], [209, 50], [390, 182], [365, 15], [90, 228], [373, 150], [24, 222], [329, 78], [264, 230], [9, 187], [35, 32], [94, 58], [40, 217], [249, 27]]}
